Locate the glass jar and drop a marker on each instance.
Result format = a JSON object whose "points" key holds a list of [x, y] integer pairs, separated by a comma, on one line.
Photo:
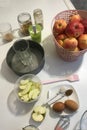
{"points": [[6, 32], [24, 20], [38, 17]]}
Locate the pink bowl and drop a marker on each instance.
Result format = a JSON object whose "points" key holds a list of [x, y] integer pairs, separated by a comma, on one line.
{"points": [[63, 53]]}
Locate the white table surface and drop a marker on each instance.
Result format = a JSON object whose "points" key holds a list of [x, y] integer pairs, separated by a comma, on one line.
{"points": [[15, 115]]}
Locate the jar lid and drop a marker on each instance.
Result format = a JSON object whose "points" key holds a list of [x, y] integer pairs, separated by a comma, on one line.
{"points": [[37, 12], [24, 17]]}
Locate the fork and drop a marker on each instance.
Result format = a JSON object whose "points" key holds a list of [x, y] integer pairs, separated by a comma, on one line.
{"points": [[71, 78]]}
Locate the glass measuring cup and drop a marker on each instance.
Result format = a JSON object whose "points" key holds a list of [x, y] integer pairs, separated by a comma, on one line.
{"points": [[23, 53], [6, 31]]}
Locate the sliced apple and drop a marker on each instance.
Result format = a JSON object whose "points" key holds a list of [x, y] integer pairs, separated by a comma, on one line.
{"points": [[37, 117], [38, 113], [40, 109], [25, 97], [33, 94], [23, 82], [22, 87], [28, 90], [24, 91]]}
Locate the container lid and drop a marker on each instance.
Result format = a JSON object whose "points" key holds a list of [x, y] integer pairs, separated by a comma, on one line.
{"points": [[24, 17]]}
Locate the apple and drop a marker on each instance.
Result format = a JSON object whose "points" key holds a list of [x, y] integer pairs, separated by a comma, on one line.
{"points": [[82, 41], [75, 17], [59, 26], [84, 22], [70, 43], [74, 29], [77, 49], [39, 113], [28, 90], [61, 37], [60, 42]]}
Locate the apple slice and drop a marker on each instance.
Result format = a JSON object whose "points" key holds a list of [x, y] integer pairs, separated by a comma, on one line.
{"points": [[23, 82], [25, 91], [28, 90], [22, 87], [38, 113], [33, 94], [25, 97], [40, 109], [37, 117]]}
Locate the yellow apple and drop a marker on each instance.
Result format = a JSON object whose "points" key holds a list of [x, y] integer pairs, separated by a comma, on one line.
{"points": [[82, 41], [76, 49], [60, 42], [70, 43], [59, 26], [75, 17]]}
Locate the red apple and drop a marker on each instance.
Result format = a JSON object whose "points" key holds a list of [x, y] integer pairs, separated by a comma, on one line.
{"points": [[61, 37], [82, 41], [75, 17], [59, 26], [70, 43], [84, 22], [74, 29]]}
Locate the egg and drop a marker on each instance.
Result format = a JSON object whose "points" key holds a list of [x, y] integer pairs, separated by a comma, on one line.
{"points": [[71, 105], [58, 106]]}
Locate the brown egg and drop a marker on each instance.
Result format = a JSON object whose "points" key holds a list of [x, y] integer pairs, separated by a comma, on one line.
{"points": [[58, 106], [71, 105]]}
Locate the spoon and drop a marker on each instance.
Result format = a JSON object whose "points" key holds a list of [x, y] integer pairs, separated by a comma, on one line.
{"points": [[34, 29], [64, 93], [67, 93]]}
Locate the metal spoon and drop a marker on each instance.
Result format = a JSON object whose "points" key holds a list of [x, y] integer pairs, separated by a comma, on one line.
{"points": [[67, 93], [64, 93]]}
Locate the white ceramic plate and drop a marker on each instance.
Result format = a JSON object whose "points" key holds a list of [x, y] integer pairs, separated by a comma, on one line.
{"points": [[54, 90]]}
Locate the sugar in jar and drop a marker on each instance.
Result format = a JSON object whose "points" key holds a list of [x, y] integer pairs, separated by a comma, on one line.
{"points": [[24, 20]]}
